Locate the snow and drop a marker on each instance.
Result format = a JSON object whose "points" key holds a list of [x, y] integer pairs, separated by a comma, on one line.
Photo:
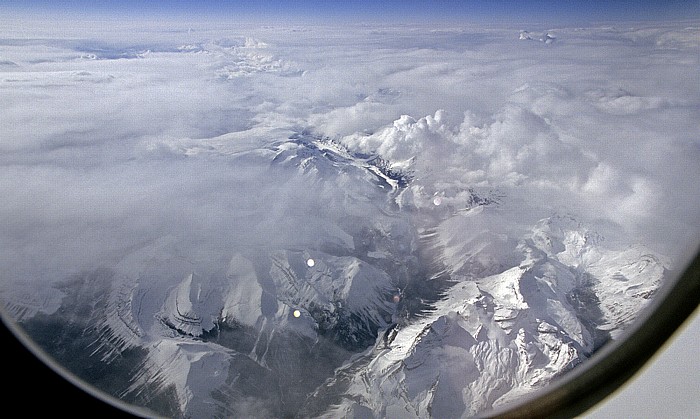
{"points": [[493, 339], [243, 300]]}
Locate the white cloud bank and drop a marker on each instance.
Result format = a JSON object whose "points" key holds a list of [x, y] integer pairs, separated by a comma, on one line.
{"points": [[603, 122]]}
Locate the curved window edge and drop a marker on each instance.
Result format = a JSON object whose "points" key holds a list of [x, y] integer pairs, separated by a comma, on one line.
{"points": [[617, 362]]}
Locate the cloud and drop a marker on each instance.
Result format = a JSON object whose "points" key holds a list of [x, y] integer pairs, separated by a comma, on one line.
{"points": [[534, 146], [121, 128], [621, 102]]}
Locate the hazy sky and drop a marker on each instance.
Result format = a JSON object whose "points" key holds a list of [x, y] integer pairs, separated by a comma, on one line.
{"points": [[383, 11]]}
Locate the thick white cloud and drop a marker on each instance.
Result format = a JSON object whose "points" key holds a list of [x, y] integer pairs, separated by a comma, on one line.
{"points": [[118, 127]]}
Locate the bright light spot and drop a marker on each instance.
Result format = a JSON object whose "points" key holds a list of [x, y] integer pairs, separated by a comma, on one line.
{"points": [[396, 298], [310, 262], [296, 313], [437, 200]]}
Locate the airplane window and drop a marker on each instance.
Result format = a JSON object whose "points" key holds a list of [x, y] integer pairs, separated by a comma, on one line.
{"points": [[394, 209]]}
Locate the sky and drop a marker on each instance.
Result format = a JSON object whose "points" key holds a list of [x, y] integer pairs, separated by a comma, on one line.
{"points": [[390, 11]]}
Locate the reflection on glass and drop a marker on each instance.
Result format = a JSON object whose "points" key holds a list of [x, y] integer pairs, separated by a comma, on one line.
{"points": [[216, 218]]}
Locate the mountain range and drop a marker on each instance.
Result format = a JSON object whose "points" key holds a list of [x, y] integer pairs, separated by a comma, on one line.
{"points": [[358, 289]]}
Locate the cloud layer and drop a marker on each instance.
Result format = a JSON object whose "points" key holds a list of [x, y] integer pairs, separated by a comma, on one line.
{"points": [[115, 132]]}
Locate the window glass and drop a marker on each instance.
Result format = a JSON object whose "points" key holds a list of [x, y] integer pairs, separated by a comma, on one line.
{"points": [[403, 209]]}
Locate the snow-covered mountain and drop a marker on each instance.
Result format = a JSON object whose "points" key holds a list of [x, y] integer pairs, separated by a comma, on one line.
{"points": [[492, 339], [370, 291]]}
